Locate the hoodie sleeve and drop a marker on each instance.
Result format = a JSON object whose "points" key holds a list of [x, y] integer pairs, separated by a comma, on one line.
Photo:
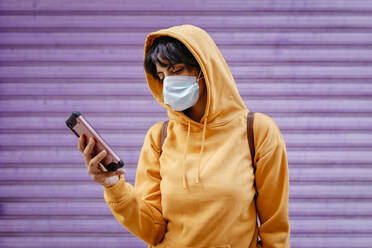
{"points": [[138, 208], [272, 183]]}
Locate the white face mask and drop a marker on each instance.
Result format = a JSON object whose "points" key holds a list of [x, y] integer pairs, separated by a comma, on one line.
{"points": [[181, 92]]}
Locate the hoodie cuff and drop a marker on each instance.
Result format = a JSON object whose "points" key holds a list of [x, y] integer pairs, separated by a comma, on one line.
{"points": [[116, 191]]}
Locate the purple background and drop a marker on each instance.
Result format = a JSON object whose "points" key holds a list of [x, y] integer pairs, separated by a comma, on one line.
{"points": [[307, 64]]}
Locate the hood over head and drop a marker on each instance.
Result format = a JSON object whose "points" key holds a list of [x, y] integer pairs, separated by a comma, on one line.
{"points": [[223, 99]]}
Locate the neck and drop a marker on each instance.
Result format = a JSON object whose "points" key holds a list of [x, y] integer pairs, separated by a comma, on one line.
{"points": [[196, 112]]}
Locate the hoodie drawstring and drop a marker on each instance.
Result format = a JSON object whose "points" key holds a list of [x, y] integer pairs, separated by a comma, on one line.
{"points": [[184, 155], [201, 151], [200, 154]]}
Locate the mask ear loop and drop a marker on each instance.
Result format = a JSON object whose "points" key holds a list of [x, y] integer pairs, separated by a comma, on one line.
{"points": [[197, 80]]}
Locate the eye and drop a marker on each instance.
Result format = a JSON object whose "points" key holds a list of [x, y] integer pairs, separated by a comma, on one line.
{"points": [[178, 71]]}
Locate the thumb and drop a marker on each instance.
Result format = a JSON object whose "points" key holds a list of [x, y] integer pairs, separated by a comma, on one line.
{"points": [[120, 172]]}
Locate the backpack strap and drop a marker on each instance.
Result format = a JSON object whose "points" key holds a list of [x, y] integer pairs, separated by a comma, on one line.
{"points": [[163, 134], [250, 135]]}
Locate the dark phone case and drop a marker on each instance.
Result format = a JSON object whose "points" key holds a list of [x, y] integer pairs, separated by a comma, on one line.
{"points": [[79, 126]]}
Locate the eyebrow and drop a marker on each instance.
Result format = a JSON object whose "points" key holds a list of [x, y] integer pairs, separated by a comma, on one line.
{"points": [[167, 69], [163, 64], [169, 66]]}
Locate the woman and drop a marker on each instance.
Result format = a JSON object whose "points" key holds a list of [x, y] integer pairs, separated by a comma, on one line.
{"points": [[197, 190]]}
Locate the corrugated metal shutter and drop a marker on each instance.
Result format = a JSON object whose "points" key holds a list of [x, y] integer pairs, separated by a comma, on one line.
{"points": [[307, 64]]}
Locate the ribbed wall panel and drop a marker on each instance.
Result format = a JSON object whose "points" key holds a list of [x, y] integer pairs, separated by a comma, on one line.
{"points": [[307, 64]]}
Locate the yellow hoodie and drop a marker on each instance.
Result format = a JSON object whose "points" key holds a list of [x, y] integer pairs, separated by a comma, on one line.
{"points": [[199, 191]]}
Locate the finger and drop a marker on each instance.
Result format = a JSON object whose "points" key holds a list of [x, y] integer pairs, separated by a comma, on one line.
{"points": [[106, 173], [100, 177], [81, 144], [101, 167], [88, 151], [94, 162], [120, 172], [114, 173]]}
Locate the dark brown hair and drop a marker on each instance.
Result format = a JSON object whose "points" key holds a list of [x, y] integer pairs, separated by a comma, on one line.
{"points": [[171, 50]]}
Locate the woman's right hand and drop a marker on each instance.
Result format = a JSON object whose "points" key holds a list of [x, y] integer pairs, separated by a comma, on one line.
{"points": [[95, 168]]}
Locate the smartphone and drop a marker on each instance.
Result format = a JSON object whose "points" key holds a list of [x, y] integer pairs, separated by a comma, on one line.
{"points": [[80, 126]]}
